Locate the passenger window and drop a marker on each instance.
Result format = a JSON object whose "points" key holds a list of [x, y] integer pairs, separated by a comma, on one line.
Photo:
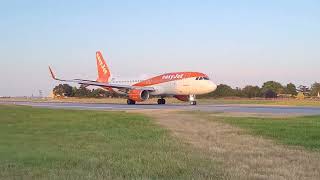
{"points": [[197, 78]]}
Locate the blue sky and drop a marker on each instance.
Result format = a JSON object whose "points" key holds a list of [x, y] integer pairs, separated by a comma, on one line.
{"points": [[234, 42]]}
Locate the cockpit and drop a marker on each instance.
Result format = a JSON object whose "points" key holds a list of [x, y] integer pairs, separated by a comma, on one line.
{"points": [[202, 78]]}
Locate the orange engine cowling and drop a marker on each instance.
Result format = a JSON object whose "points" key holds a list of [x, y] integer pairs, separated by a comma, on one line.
{"points": [[182, 97], [138, 95]]}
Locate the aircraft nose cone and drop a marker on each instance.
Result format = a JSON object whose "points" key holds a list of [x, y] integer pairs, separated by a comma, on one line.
{"points": [[212, 86]]}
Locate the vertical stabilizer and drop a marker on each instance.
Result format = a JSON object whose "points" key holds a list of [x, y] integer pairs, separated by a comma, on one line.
{"points": [[103, 69]]}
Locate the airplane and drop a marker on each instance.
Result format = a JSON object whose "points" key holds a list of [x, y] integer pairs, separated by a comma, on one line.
{"points": [[183, 86]]}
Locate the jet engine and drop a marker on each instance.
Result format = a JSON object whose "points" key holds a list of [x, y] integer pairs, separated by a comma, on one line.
{"points": [[138, 95]]}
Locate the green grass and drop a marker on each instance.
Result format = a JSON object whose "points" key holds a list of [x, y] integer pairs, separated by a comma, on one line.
{"points": [[297, 131], [69, 144]]}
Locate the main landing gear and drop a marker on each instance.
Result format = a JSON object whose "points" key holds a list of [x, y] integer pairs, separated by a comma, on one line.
{"points": [[192, 99], [129, 101], [161, 101]]}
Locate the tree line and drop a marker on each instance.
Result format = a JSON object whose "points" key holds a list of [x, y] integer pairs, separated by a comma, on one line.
{"points": [[269, 89], [65, 90]]}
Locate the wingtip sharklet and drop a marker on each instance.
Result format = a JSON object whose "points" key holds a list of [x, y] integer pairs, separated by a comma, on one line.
{"points": [[52, 74]]}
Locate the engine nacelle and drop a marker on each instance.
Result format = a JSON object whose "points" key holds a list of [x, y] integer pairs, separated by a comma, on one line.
{"points": [[182, 97], [138, 95]]}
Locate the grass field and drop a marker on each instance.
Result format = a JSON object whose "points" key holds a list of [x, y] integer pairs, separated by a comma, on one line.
{"points": [[297, 131], [68, 144]]}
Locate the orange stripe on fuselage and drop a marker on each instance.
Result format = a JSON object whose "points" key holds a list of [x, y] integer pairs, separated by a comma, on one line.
{"points": [[169, 77]]}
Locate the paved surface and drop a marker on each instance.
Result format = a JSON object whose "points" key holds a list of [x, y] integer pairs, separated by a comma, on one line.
{"points": [[211, 108]]}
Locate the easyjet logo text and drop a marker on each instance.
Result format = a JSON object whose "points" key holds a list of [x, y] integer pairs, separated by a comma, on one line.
{"points": [[173, 76], [102, 65]]}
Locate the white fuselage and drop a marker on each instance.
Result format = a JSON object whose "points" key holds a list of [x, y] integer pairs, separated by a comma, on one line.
{"points": [[185, 86]]}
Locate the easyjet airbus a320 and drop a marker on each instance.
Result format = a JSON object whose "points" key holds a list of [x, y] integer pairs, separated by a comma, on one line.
{"points": [[181, 85]]}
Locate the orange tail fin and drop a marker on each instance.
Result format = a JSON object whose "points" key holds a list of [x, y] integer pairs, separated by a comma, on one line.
{"points": [[103, 69]]}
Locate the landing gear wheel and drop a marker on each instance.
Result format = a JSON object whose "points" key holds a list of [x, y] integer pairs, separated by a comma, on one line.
{"points": [[161, 101], [193, 102], [129, 101]]}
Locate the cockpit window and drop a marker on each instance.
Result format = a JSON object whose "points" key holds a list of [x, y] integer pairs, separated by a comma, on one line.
{"points": [[202, 78]]}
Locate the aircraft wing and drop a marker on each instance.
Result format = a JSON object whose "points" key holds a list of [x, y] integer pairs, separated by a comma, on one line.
{"points": [[100, 84]]}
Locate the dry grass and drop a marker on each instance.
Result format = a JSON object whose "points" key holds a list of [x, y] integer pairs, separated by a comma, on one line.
{"points": [[243, 156]]}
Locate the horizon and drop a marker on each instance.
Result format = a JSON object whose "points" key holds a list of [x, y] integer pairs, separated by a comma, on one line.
{"points": [[235, 43]]}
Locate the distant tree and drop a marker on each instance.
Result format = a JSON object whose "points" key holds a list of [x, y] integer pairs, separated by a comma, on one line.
{"points": [[63, 90], [58, 90], [273, 86], [74, 90], [315, 89], [251, 91], [238, 92], [270, 94], [223, 91], [291, 89], [82, 91], [97, 93]]}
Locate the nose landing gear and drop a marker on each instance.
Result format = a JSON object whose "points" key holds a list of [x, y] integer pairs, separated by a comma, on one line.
{"points": [[192, 99]]}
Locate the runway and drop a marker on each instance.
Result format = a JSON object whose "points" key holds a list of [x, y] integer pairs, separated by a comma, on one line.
{"points": [[263, 109]]}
